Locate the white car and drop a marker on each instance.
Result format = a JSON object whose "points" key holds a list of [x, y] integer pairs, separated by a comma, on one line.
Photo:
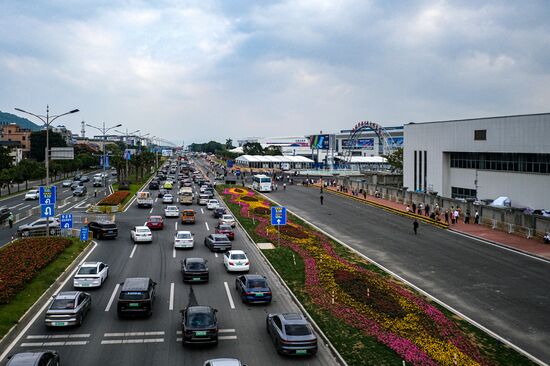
{"points": [[227, 220], [141, 234], [236, 261], [212, 204], [203, 199], [168, 198], [33, 194], [184, 239], [223, 362], [171, 211], [66, 183], [91, 274]]}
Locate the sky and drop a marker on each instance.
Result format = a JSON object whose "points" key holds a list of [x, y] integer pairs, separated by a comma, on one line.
{"points": [[195, 71]]}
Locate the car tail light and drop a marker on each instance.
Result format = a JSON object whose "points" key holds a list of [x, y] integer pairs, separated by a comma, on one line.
{"points": [[268, 293], [247, 293], [231, 263], [247, 263]]}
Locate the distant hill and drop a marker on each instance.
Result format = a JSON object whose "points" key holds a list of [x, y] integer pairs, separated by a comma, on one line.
{"points": [[7, 118]]}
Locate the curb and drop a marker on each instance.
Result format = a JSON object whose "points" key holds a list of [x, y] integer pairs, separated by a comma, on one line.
{"points": [[34, 309], [327, 342]]}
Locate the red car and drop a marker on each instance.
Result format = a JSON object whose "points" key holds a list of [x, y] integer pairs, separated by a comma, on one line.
{"points": [[227, 230], [155, 223]]}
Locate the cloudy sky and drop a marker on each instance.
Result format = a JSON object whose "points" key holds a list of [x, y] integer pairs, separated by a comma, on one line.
{"points": [[199, 70]]}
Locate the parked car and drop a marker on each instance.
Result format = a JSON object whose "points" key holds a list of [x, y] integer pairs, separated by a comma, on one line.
{"points": [[194, 270], [212, 204], [188, 217], [236, 261], [35, 358], [66, 183], [32, 194], [168, 198], [184, 239], [227, 220], [68, 308], [292, 334], [39, 227], [155, 222], [103, 229], [253, 288], [227, 230], [171, 211], [91, 274], [80, 191], [199, 325], [218, 212], [141, 234], [217, 242], [136, 297]]}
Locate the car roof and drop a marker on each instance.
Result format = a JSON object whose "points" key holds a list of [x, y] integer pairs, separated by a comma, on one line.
{"points": [[236, 252], [172, 207], [224, 362], [136, 284], [254, 277], [196, 260], [219, 235], [155, 217], [90, 264], [199, 309], [103, 222], [183, 232], [142, 227], [67, 295], [293, 318], [26, 358]]}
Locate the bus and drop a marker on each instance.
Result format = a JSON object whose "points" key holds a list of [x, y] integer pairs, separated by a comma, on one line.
{"points": [[185, 195], [261, 183]]}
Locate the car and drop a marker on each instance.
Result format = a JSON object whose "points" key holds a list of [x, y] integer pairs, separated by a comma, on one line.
{"points": [[228, 220], [141, 234], [77, 177], [203, 188], [236, 261], [154, 185], [209, 193], [253, 288], [162, 192], [80, 191], [168, 198], [217, 242], [5, 213], [68, 308], [203, 199], [168, 185], [194, 270], [136, 297], [184, 239], [39, 226], [34, 358], [199, 325], [66, 183], [90, 274], [188, 217], [84, 178], [212, 204], [218, 212], [227, 230], [76, 184], [32, 194], [155, 223], [103, 229], [292, 334], [171, 211], [223, 362]]}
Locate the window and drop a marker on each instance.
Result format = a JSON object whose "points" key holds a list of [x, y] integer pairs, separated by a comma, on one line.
{"points": [[23, 138], [278, 323], [511, 162], [480, 135], [458, 192]]}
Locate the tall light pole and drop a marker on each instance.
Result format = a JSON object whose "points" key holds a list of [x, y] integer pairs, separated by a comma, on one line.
{"points": [[104, 131], [47, 120], [126, 135]]}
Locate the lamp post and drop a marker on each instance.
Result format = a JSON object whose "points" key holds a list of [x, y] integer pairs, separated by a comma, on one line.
{"points": [[126, 135], [104, 131]]}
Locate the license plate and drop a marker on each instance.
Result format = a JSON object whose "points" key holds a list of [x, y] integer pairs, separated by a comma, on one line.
{"points": [[301, 352], [197, 278], [110, 231], [200, 333], [59, 324], [84, 284], [239, 263], [133, 305], [258, 294]]}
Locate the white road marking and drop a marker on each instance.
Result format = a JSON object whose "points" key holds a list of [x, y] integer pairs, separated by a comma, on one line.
{"points": [[151, 210], [171, 306], [156, 199], [207, 227], [54, 344], [133, 251], [57, 336], [12, 207], [41, 310], [133, 341], [73, 206], [176, 226], [65, 191], [24, 207], [112, 297], [174, 252], [202, 211], [133, 334], [216, 254], [227, 337], [231, 303]]}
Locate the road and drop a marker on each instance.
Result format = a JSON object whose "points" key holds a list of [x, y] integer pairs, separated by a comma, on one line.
{"points": [[104, 339], [507, 292]]}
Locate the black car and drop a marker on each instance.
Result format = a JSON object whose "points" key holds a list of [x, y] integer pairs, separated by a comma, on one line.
{"points": [[219, 211], [194, 270], [103, 229], [217, 242], [199, 325], [292, 334], [154, 185], [136, 297], [253, 288], [80, 191], [84, 178], [34, 358], [5, 212]]}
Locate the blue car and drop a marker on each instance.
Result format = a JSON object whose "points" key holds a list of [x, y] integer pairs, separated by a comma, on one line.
{"points": [[253, 289]]}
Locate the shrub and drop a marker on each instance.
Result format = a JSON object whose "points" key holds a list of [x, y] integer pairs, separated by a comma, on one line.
{"points": [[114, 198], [262, 211], [249, 199], [293, 232]]}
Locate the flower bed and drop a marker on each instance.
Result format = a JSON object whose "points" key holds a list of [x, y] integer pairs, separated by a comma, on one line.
{"points": [[114, 198], [376, 305], [21, 260]]}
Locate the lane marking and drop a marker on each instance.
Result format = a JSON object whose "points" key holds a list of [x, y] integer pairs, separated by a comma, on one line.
{"points": [[133, 334], [174, 252], [65, 191], [151, 210], [156, 199], [176, 226], [54, 344], [231, 303], [207, 227], [12, 207], [133, 251], [57, 336], [216, 254], [227, 337], [133, 341], [24, 207], [202, 211], [171, 306], [112, 297]]}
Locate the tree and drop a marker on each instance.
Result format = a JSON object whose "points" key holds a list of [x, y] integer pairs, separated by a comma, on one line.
{"points": [[5, 158], [229, 144], [253, 148], [30, 169], [395, 159], [272, 150], [38, 143]]}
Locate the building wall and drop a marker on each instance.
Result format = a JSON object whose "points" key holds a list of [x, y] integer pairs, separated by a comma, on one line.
{"points": [[13, 132], [434, 141]]}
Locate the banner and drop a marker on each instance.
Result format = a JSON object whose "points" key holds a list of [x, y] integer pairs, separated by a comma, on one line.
{"points": [[367, 144], [321, 142]]}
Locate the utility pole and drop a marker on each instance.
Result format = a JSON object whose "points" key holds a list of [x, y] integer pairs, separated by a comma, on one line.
{"points": [[104, 131]]}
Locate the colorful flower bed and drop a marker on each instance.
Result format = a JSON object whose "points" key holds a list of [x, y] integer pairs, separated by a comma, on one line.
{"points": [[21, 260], [114, 198], [405, 322]]}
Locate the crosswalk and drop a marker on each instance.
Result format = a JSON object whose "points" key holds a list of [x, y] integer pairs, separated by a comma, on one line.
{"points": [[55, 340]]}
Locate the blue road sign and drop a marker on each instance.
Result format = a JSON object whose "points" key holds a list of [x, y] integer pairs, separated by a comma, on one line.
{"points": [[66, 221], [278, 215], [230, 163], [47, 210], [47, 195], [84, 233]]}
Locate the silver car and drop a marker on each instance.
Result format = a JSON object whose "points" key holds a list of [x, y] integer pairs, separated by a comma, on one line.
{"points": [[68, 308], [91, 274]]}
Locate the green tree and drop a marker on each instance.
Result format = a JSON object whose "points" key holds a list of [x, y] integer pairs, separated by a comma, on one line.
{"points": [[6, 177], [30, 169], [38, 144], [229, 144], [395, 159], [5, 158], [272, 150], [253, 148]]}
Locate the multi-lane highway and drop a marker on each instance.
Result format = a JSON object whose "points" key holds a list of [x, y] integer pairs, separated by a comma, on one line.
{"points": [[104, 339]]}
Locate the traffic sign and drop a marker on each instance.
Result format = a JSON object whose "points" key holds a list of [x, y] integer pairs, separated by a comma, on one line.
{"points": [[66, 221], [47, 195], [278, 215], [84, 233], [47, 210], [230, 164]]}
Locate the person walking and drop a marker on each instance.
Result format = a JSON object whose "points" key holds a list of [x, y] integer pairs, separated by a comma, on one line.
{"points": [[455, 216], [321, 198], [476, 218], [447, 216], [427, 210], [420, 208], [415, 226], [414, 208], [284, 186], [467, 216], [10, 220]]}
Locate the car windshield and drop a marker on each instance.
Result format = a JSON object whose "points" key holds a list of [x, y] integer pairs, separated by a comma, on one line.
{"points": [[171, 208], [257, 283], [155, 219], [195, 266], [183, 236], [87, 270], [62, 304], [133, 295], [199, 320], [225, 227], [188, 213], [227, 217], [220, 238], [238, 256], [297, 329]]}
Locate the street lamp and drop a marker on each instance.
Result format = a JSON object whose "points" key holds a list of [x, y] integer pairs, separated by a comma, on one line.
{"points": [[104, 131], [126, 135]]}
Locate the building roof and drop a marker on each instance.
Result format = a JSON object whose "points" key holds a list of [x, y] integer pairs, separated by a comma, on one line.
{"points": [[273, 159]]}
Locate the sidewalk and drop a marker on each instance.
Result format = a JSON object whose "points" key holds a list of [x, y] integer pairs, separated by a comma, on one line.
{"points": [[483, 232]]}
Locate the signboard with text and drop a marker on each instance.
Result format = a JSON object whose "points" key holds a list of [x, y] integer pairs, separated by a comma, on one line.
{"points": [[278, 215]]}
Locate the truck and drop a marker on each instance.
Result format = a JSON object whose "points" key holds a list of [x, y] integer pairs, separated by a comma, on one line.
{"points": [[185, 195], [144, 199]]}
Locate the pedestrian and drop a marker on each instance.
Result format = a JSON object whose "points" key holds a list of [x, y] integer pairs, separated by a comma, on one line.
{"points": [[95, 192], [321, 189], [476, 217], [364, 194], [467, 216], [414, 208], [447, 216], [321, 198], [10, 220], [408, 209], [427, 210], [284, 186], [276, 186], [455, 216], [420, 208], [415, 226]]}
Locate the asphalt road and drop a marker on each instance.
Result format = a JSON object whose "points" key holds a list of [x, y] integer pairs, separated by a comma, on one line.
{"points": [[153, 340], [507, 292]]}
